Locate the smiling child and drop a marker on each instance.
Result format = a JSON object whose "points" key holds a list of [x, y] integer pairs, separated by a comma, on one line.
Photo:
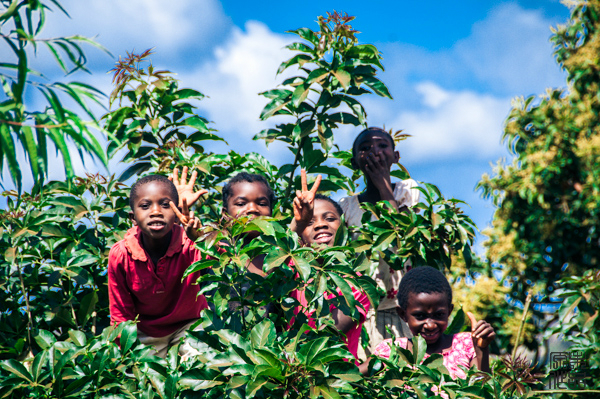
{"points": [[145, 269], [317, 219], [425, 299]]}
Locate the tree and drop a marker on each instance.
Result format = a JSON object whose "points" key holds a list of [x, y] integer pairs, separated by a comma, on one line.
{"points": [[546, 227], [20, 24]]}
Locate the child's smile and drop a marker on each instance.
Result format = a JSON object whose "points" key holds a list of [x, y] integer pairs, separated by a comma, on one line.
{"points": [[152, 212], [323, 226], [427, 315]]}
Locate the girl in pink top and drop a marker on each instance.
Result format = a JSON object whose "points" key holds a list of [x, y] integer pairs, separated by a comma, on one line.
{"points": [[425, 299], [316, 220]]}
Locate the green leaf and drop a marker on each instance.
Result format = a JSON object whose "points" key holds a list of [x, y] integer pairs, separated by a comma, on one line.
{"points": [[343, 77], [419, 349], [275, 258], [87, 307], [77, 337], [128, 336], [302, 266], [457, 323], [263, 333], [45, 339], [16, 369], [377, 86]]}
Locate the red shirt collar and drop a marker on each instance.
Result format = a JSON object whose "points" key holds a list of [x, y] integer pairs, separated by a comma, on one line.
{"points": [[133, 243]]}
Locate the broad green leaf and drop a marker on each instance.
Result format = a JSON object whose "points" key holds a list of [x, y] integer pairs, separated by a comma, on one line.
{"points": [[16, 369], [86, 309], [457, 323], [263, 333], [302, 266], [45, 339], [128, 337]]}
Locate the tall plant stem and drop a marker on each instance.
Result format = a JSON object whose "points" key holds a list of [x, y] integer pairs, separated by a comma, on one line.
{"points": [[26, 296], [522, 324]]}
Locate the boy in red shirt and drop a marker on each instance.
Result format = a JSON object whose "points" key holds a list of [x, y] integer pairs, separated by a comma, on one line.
{"points": [[145, 269]]}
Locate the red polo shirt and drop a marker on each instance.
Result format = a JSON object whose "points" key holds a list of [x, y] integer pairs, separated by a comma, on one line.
{"points": [[155, 293]]}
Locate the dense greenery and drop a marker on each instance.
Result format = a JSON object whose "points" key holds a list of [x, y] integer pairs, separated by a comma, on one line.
{"points": [[55, 337]]}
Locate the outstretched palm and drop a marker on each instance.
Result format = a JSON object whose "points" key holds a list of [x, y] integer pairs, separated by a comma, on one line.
{"points": [[186, 190]]}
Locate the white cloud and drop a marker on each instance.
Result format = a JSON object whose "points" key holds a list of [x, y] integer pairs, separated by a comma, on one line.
{"points": [[140, 24], [511, 50], [453, 124], [242, 67]]}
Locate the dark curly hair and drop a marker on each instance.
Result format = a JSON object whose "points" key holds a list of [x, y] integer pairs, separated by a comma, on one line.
{"points": [[133, 194], [423, 279], [249, 178], [337, 206], [371, 130]]}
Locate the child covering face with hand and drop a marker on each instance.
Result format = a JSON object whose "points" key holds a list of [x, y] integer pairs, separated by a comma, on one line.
{"points": [[374, 154]]}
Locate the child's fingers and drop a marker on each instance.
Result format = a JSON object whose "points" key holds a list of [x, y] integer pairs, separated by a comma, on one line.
{"points": [[198, 194], [472, 319], [303, 180], [193, 178], [184, 175], [175, 177], [177, 213], [186, 210], [316, 184]]}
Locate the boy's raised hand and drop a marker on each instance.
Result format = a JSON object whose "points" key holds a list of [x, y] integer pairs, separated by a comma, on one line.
{"points": [[304, 203], [483, 333], [186, 190], [190, 223]]}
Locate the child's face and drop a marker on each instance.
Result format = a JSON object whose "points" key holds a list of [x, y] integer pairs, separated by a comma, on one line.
{"points": [[323, 226], [427, 315], [151, 210], [249, 199], [374, 144]]}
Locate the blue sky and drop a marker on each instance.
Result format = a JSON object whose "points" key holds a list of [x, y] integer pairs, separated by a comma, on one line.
{"points": [[452, 68]]}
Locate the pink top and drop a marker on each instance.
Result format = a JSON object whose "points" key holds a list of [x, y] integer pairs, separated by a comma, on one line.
{"points": [[156, 294], [353, 335], [461, 353]]}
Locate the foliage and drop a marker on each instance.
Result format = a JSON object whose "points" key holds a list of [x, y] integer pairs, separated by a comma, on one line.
{"points": [[427, 234], [333, 69], [546, 224], [545, 232], [254, 341], [153, 123], [55, 245], [21, 22]]}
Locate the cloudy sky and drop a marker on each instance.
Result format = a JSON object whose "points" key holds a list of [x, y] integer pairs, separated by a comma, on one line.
{"points": [[452, 68]]}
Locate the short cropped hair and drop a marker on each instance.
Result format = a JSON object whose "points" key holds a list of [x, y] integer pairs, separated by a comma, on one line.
{"points": [[337, 206], [249, 178], [371, 130], [421, 279], [149, 179]]}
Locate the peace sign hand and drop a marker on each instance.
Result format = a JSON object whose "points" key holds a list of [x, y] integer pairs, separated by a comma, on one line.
{"points": [[483, 333], [304, 201], [190, 223], [186, 190]]}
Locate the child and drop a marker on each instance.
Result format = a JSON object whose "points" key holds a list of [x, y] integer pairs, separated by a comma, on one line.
{"points": [[425, 299], [249, 195], [316, 220], [145, 269], [373, 153]]}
